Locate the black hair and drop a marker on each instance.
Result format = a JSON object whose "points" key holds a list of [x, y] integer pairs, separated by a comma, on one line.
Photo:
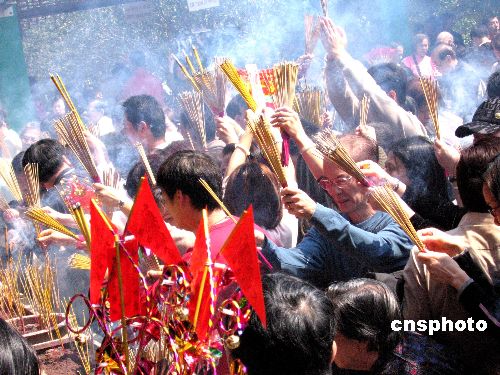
{"points": [[364, 311], [493, 86], [428, 178], [17, 163], [254, 184], [145, 108], [470, 171], [492, 177], [390, 76], [236, 106], [386, 134], [299, 334], [182, 170], [446, 51], [479, 31], [48, 154], [16, 356]]}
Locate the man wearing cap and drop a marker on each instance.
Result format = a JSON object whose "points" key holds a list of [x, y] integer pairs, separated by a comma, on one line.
{"points": [[485, 122]]}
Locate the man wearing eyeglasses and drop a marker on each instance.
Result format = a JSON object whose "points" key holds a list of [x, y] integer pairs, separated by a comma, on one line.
{"points": [[341, 245]]}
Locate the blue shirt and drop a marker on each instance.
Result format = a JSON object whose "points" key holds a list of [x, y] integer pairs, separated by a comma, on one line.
{"points": [[336, 250]]}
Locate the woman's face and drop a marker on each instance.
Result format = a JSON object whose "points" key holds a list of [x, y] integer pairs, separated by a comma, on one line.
{"points": [[395, 167], [422, 47]]}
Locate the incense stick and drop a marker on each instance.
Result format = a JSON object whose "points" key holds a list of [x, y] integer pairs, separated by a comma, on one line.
{"points": [[111, 177], [285, 80], [10, 179], [363, 110], [79, 261], [39, 215], [82, 223], [145, 162], [213, 87], [232, 74], [311, 105], [331, 148], [429, 87], [185, 72], [216, 198], [389, 201], [261, 130], [324, 7], [31, 173], [193, 105]]}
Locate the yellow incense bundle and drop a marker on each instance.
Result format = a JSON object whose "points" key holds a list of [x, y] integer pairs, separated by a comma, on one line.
{"points": [[10, 179], [193, 105], [285, 80], [310, 104], [31, 173], [429, 87], [232, 74], [330, 147], [261, 130], [82, 223], [389, 201], [79, 261], [39, 215]]}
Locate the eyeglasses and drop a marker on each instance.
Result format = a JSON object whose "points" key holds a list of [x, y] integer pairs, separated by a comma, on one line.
{"points": [[340, 182]]}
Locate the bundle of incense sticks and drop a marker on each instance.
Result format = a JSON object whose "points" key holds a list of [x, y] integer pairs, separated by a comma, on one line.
{"points": [[285, 80], [213, 87], [310, 104], [79, 261], [311, 26], [65, 95], [389, 201], [145, 162], [364, 107], [82, 223], [72, 133], [324, 7], [232, 74], [11, 304], [429, 87], [193, 105], [95, 130], [31, 173], [4, 205], [39, 215], [8, 175], [330, 147], [261, 131], [185, 72], [111, 177], [216, 198]]}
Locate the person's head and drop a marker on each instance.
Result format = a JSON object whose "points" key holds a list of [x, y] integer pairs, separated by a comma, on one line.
{"points": [[444, 37], [493, 85], [392, 79], [445, 58], [417, 93], [493, 25], [299, 334], [16, 356], [236, 110], [491, 189], [144, 120], [421, 44], [363, 312], [58, 107], [30, 134], [95, 110], [50, 157], [347, 194], [254, 184], [178, 177], [470, 172], [413, 161], [479, 35], [485, 122]]}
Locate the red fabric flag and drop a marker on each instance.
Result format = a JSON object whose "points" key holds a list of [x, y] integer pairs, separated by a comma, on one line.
{"points": [[200, 283], [130, 282], [146, 224], [240, 252], [101, 251]]}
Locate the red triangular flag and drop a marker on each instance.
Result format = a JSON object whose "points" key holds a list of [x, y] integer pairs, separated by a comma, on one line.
{"points": [[199, 303], [240, 252], [130, 282], [101, 251], [146, 224]]}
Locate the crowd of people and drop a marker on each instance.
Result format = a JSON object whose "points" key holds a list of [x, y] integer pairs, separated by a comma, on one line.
{"points": [[339, 270]]}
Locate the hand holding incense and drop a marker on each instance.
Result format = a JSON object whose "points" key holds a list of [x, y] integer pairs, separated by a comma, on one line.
{"points": [[145, 162], [429, 87]]}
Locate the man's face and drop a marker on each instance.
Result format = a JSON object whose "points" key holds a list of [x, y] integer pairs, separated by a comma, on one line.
{"points": [[422, 47], [175, 212], [58, 108], [347, 194], [493, 26], [94, 115], [29, 137], [132, 134]]}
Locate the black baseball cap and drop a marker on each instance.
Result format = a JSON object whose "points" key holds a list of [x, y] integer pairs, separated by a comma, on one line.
{"points": [[486, 120]]}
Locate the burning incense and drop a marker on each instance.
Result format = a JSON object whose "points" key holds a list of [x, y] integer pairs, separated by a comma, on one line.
{"points": [[216, 198], [72, 133], [311, 104], [79, 262], [330, 147], [232, 74], [363, 110], [285, 80], [145, 162], [193, 105], [389, 201], [262, 132], [31, 173], [197, 57], [9, 177], [429, 87], [324, 7], [185, 72], [39, 215], [311, 26], [82, 223]]}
